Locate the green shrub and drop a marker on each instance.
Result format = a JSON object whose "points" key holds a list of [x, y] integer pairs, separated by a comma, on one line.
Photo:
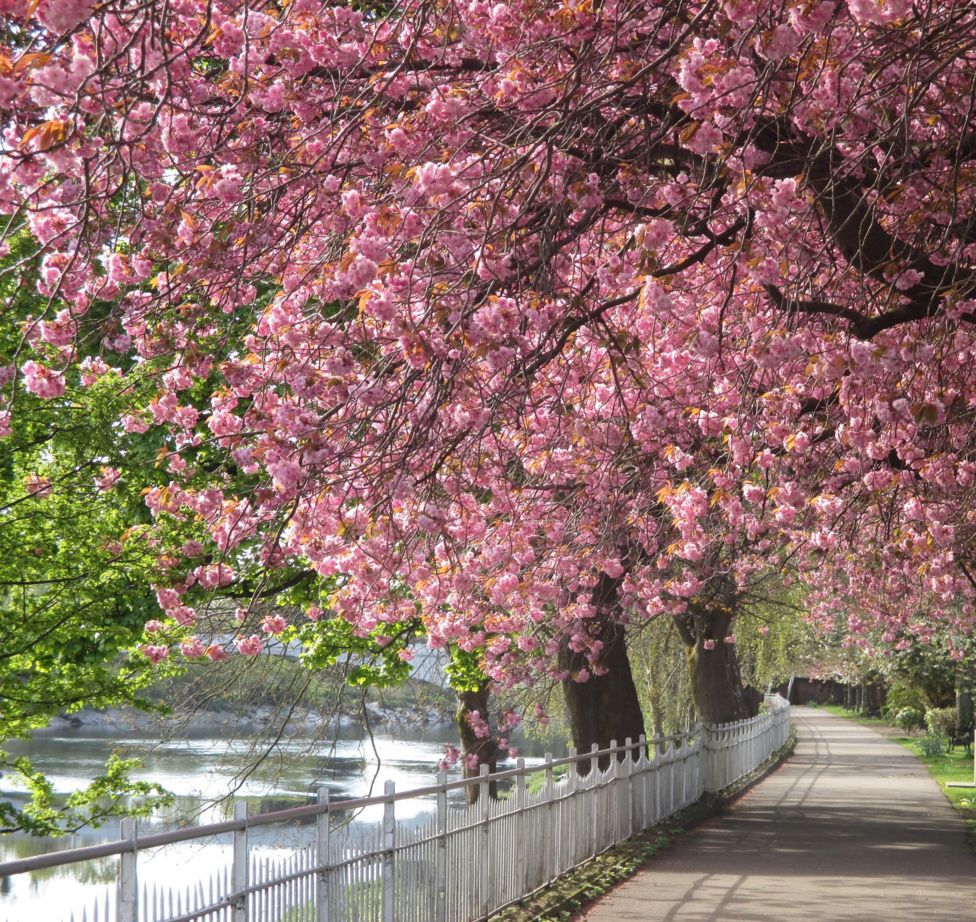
{"points": [[940, 721], [900, 697], [933, 744], [908, 718]]}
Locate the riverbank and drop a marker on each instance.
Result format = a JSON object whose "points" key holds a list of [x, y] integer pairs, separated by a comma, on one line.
{"points": [[227, 718], [282, 695]]}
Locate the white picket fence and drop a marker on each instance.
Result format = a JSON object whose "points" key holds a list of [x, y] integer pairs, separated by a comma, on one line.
{"points": [[460, 865]]}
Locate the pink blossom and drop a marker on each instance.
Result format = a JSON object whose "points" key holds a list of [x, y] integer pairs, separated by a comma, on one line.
{"points": [[41, 380], [61, 15], [450, 758], [477, 724], [155, 653], [108, 478], [192, 647], [273, 624], [216, 653], [183, 615], [249, 646], [37, 486]]}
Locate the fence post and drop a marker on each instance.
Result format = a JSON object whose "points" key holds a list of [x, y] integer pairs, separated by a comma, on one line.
{"points": [[323, 834], [550, 871], [484, 805], [440, 880], [570, 830], [521, 859], [389, 853], [126, 908], [642, 761], [684, 769], [595, 799], [629, 775], [238, 874]]}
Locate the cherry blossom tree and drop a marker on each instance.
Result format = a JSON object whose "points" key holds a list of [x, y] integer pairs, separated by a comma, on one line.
{"points": [[530, 320]]}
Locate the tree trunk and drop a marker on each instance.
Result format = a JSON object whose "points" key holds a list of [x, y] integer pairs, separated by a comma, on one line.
{"points": [[873, 695], [484, 748], [964, 696], [716, 683], [604, 707]]}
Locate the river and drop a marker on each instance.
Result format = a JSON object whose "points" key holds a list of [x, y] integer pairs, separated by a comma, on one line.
{"points": [[200, 768]]}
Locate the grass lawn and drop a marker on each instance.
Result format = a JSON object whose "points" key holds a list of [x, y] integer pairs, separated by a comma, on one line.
{"points": [[943, 767]]}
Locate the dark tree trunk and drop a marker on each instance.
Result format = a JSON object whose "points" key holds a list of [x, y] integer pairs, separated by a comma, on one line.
{"points": [[713, 665], [485, 748], [873, 695], [605, 707], [964, 696]]}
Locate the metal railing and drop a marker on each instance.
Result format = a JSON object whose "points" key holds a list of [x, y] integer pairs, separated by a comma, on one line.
{"points": [[459, 864]]}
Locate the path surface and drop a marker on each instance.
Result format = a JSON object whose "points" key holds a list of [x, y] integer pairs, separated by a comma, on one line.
{"points": [[852, 827]]}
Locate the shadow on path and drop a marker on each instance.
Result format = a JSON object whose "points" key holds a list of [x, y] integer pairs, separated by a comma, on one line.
{"points": [[852, 827]]}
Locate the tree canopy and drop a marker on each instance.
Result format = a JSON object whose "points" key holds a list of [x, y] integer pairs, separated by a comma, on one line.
{"points": [[470, 308]]}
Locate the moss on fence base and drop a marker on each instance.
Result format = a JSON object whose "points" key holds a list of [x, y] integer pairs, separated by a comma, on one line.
{"points": [[565, 897]]}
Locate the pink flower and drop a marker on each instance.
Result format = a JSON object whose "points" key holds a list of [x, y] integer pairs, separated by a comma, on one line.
{"points": [[155, 653], [61, 331], [108, 478], [249, 646], [192, 647], [183, 614], [477, 724], [154, 626], [708, 643], [613, 568], [273, 624], [42, 381], [313, 613], [216, 653], [37, 486], [753, 492], [214, 576], [449, 759], [58, 16]]}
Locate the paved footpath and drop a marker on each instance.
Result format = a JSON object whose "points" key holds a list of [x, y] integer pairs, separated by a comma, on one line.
{"points": [[852, 827]]}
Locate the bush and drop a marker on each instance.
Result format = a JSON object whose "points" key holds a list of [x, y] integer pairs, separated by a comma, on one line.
{"points": [[908, 718], [933, 744], [901, 697], [940, 721]]}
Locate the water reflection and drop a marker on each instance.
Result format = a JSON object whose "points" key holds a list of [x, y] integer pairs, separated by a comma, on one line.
{"points": [[200, 770]]}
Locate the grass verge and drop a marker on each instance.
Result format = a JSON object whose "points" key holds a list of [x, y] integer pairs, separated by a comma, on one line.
{"points": [[571, 893], [943, 766]]}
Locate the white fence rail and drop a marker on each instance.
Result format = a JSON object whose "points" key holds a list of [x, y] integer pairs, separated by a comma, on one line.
{"points": [[461, 864]]}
